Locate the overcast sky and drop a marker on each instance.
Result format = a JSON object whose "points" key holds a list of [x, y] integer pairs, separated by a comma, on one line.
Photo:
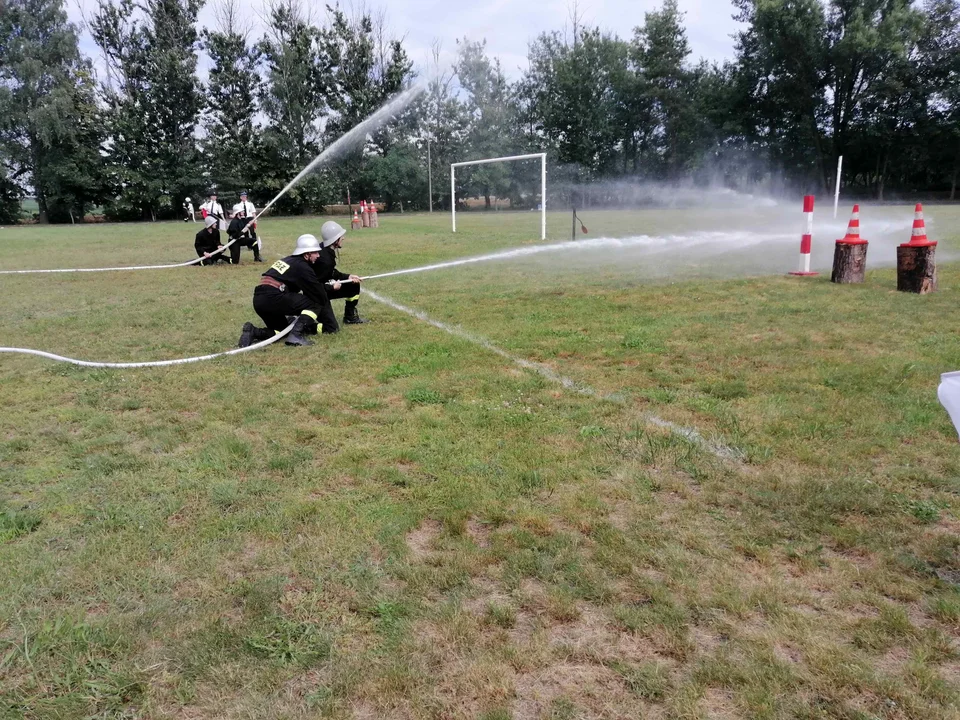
{"points": [[508, 25]]}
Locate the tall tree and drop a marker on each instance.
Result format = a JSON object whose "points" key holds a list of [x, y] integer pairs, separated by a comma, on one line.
{"points": [[153, 99], [369, 67], [567, 97], [294, 99], [660, 53], [490, 126], [49, 127], [442, 126], [781, 76], [231, 148]]}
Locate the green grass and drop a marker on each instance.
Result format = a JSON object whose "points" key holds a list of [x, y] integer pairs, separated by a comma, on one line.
{"points": [[400, 523]]}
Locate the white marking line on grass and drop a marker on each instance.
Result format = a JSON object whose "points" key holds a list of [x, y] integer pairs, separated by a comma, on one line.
{"points": [[690, 434]]}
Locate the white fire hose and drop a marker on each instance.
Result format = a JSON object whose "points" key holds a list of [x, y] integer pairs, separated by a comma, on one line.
{"points": [[128, 267], [155, 363]]}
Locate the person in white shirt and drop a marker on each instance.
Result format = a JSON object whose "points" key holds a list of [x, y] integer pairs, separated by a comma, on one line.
{"points": [[244, 206], [211, 208]]}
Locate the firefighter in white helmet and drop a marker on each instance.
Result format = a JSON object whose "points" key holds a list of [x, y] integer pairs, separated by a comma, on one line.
{"points": [[243, 229], [337, 284], [207, 243], [188, 213], [289, 288]]}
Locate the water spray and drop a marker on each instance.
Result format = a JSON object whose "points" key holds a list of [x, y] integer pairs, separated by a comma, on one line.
{"points": [[577, 245], [341, 145]]}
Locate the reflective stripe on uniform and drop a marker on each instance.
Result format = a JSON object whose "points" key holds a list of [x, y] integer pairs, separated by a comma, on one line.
{"points": [[353, 299], [309, 313]]}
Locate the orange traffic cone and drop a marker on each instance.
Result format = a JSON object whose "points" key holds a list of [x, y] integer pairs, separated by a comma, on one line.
{"points": [[919, 236], [355, 223], [853, 229]]}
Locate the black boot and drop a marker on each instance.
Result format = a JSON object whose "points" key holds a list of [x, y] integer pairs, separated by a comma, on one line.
{"points": [[253, 334], [296, 335], [246, 337], [350, 314]]}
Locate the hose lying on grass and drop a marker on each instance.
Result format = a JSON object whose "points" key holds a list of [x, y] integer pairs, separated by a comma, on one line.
{"points": [[128, 267], [155, 363]]}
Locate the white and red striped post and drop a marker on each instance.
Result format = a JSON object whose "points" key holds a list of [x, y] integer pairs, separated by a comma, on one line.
{"points": [[807, 240]]}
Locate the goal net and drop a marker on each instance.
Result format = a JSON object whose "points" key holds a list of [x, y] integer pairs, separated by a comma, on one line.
{"points": [[543, 185]]}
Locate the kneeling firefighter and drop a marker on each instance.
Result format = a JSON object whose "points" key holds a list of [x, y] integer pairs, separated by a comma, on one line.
{"points": [[289, 288], [337, 284], [243, 229], [207, 243]]}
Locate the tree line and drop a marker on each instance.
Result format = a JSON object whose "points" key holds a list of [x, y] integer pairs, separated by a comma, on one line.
{"points": [[876, 81]]}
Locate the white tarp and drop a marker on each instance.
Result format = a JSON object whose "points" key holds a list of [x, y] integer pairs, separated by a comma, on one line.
{"points": [[949, 394]]}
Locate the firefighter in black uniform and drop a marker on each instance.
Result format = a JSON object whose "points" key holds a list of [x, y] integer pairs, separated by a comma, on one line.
{"points": [[207, 243], [290, 288], [337, 284], [243, 230]]}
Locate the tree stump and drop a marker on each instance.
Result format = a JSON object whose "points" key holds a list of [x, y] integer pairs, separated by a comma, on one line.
{"points": [[849, 262], [917, 268]]}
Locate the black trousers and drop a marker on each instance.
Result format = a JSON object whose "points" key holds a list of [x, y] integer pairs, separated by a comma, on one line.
{"points": [[214, 259], [348, 290], [243, 241], [274, 307]]}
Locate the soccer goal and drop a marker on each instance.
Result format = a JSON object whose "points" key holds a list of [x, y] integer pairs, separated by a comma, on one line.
{"points": [[543, 185]]}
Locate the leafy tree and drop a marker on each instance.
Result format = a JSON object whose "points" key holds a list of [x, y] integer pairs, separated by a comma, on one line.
{"points": [[567, 101], [442, 125], [489, 117], [294, 99], [231, 151], [10, 199], [780, 82], [50, 131], [153, 100], [660, 53], [369, 67]]}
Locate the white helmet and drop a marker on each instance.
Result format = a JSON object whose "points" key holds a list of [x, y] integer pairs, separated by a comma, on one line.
{"points": [[306, 244], [186, 199], [331, 232], [209, 221], [238, 208]]}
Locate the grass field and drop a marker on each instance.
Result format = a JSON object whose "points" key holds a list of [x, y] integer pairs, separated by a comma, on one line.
{"points": [[742, 504]]}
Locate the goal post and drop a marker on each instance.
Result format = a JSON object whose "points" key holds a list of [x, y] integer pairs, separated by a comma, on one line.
{"points": [[543, 185]]}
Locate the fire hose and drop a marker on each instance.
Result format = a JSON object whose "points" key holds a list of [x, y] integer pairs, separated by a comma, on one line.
{"points": [[155, 363]]}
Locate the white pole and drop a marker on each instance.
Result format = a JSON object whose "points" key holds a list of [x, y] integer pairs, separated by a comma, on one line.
{"points": [[543, 196], [453, 196], [836, 197], [429, 176]]}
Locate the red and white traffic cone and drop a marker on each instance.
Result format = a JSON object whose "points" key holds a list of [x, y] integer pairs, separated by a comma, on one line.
{"points": [[916, 260], [853, 230], [919, 236], [355, 223], [850, 254], [806, 241], [374, 220]]}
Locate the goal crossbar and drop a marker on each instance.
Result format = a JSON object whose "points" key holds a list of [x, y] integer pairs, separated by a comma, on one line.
{"points": [[543, 185]]}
